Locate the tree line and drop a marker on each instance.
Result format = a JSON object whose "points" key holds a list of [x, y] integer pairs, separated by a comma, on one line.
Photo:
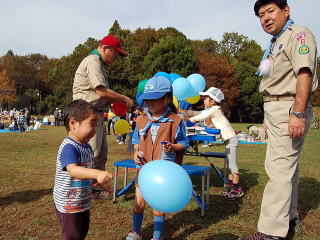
{"points": [[43, 83]]}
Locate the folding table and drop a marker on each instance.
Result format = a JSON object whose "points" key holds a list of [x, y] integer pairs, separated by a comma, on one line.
{"points": [[202, 200], [193, 141]]}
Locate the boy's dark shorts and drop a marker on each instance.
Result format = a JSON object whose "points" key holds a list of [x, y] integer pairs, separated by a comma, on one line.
{"points": [[75, 226]]}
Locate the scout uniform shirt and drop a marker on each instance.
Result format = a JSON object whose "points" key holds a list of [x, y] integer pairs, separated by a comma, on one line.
{"points": [[90, 74], [296, 48]]}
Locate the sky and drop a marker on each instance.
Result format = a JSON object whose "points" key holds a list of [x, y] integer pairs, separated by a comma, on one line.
{"points": [[55, 27]]}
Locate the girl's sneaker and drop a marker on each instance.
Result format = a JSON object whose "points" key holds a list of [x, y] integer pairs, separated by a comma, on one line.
{"points": [[235, 192], [133, 236], [227, 189]]}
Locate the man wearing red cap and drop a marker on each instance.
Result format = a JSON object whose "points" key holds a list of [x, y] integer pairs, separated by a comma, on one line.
{"points": [[91, 84]]}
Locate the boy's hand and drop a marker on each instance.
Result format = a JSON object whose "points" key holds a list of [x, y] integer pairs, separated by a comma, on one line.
{"points": [[103, 177]]}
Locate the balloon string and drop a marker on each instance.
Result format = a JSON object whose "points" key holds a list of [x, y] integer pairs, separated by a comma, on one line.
{"points": [[95, 184], [122, 172]]}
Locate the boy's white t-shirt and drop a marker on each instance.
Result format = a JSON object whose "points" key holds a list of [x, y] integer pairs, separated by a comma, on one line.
{"points": [[218, 120], [72, 195]]}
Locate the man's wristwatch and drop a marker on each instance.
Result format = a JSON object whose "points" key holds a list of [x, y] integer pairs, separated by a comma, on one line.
{"points": [[298, 114]]}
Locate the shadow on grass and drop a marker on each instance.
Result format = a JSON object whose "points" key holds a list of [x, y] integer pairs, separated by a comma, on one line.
{"points": [[24, 197], [247, 179], [309, 195], [219, 209]]}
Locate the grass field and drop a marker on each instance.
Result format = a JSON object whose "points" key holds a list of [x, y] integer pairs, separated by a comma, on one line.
{"points": [[27, 176]]}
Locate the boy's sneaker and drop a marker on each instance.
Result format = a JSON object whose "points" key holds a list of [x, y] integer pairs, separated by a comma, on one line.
{"points": [[133, 236], [235, 192], [205, 146]]}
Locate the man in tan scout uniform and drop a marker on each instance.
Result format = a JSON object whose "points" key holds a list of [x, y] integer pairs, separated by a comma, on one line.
{"points": [[91, 84], [289, 77]]}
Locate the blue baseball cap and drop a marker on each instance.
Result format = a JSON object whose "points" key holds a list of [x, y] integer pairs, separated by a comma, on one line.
{"points": [[156, 88]]}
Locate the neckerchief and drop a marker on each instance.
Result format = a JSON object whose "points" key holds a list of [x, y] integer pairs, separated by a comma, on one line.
{"points": [[268, 51], [161, 119], [96, 52]]}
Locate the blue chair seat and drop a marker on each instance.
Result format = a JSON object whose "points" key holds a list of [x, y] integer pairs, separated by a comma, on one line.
{"points": [[196, 170], [128, 163]]}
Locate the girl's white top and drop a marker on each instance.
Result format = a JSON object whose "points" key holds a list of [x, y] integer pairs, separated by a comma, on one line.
{"points": [[218, 120]]}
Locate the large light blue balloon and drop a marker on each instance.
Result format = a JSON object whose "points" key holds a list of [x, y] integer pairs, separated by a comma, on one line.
{"points": [[162, 74], [165, 186], [197, 81], [182, 89], [173, 76]]}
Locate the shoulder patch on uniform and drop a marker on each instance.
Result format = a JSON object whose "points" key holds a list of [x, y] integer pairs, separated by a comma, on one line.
{"points": [[301, 35], [304, 49]]}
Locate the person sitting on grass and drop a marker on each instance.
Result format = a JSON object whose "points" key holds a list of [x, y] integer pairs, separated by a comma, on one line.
{"points": [[74, 174], [159, 126], [212, 101]]}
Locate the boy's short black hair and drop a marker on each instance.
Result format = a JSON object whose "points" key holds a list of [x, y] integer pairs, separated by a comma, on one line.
{"points": [[79, 110], [259, 3]]}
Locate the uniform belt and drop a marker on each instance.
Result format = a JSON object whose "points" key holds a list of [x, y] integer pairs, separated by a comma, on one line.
{"points": [[279, 98]]}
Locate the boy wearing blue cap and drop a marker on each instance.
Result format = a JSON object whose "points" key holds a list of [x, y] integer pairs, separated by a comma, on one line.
{"points": [[159, 126]]}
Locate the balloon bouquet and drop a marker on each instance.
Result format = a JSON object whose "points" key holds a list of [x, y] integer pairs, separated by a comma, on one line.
{"points": [[183, 88], [165, 185]]}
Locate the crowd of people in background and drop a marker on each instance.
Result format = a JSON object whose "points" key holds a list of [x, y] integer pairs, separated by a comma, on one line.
{"points": [[15, 119], [58, 117]]}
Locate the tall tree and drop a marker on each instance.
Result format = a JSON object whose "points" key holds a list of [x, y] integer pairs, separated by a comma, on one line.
{"points": [[218, 72], [245, 56], [7, 89], [207, 45], [171, 55], [231, 43]]}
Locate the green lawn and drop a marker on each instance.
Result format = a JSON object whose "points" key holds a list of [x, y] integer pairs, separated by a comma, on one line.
{"points": [[27, 176]]}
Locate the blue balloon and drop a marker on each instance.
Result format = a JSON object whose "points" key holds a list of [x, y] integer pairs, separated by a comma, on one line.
{"points": [[198, 82], [173, 76], [165, 186], [182, 89], [139, 101], [162, 74]]}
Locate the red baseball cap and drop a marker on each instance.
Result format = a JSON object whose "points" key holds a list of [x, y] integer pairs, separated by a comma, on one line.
{"points": [[114, 42]]}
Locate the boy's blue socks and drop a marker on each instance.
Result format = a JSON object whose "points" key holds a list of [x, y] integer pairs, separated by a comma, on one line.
{"points": [[158, 222], [137, 222]]}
